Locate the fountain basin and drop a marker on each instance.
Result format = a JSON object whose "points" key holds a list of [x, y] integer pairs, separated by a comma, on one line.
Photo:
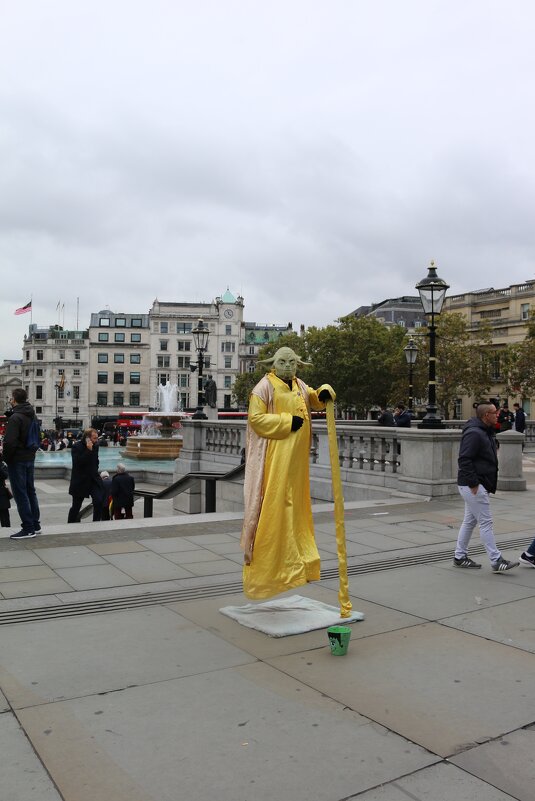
{"points": [[153, 447]]}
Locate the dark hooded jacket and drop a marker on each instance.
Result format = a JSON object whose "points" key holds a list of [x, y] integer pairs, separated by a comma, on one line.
{"points": [[17, 427], [478, 460], [84, 474]]}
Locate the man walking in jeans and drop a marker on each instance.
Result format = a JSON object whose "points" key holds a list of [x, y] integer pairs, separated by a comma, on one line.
{"points": [[477, 477], [20, 465]]}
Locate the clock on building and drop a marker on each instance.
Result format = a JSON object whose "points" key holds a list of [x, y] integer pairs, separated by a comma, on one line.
{"points": [[228, 313]]}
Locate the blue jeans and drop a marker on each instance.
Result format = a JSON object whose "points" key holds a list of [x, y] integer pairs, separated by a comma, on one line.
{"points": [[21, 478]]}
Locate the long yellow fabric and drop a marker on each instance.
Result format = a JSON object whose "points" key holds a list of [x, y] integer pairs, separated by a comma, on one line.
{"points": [[284, 554], [343, 593]]}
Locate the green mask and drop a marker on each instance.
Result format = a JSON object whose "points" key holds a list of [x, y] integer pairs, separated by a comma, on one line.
{"points": [[284, 363]]}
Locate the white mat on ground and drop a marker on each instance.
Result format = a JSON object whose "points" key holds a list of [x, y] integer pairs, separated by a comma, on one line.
{"points": [[293, 615]]}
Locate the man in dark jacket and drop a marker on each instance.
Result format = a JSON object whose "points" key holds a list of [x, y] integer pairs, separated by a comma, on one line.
{"points": [[520, 418], [402, 416], [20, 465], [122, 492], [386, 418], [477, 477], [85, 478]]}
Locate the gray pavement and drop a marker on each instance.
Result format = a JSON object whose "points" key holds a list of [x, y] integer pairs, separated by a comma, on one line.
{"points": [[120, 679]]}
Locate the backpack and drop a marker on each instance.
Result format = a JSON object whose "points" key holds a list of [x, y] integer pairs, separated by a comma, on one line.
{"points": [[33, 440]]}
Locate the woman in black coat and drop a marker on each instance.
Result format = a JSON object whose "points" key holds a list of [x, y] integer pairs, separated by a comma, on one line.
{"points": [[5, 495], [122, 492]]}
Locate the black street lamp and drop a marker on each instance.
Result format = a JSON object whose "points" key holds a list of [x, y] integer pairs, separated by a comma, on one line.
{"points": [[432, 291], [200, 339], [411, 354]]}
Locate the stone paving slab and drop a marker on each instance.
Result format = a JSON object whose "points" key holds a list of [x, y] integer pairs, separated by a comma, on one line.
{"points": [[511, 624], [98, 653], [19, 559], [441, 782], [23, 775], [45, 586], [147, 566], [91, 577], [437, 591], [70, 556], [206, 614], [243, 734], [508, 763], [436, 686]]}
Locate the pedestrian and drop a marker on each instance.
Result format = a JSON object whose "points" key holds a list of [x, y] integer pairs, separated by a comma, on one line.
{"points": [[477, 478], [5, 497], [85, 478], [280, 551], [106, 497], [520, 418], [122, 492], [402, 416], [386, 418], [505, 418], [19, 455], [528, 556]]}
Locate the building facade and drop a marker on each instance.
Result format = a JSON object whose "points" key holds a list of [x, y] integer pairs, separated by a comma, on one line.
{"points": [[10, 379], [55, 375], [119, 363], [406, 311], [254, 337]]}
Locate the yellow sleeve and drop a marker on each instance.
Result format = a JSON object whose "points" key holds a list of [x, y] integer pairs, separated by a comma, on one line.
{"points": [[270, 426], [315, 402]]}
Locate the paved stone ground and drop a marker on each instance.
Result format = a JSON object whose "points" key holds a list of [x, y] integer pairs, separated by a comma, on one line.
{"points": [[120, 679]]}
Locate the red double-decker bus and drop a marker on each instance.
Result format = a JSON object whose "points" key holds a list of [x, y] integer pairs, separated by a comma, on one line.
{"points": [[130, 420]]}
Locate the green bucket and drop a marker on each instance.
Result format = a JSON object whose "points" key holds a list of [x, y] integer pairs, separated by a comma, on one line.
{"points": [[339, 639]]}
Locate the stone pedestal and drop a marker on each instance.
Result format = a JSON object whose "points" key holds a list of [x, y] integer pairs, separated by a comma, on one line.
{"points": [[189, 501], [510, 475], [429, 461]]}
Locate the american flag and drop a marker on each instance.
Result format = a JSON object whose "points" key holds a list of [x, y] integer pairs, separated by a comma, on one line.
{"points": [[24, 309]]}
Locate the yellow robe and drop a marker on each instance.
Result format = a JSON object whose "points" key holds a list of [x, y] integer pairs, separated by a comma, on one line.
{"points": [[282, 547]]}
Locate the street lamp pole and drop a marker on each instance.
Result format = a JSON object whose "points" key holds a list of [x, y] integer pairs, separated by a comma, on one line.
{"points": [[200, 339], [411, 354], [432, 291]]}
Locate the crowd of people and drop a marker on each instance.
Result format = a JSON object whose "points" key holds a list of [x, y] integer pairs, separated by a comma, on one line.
{"points": [[20, 443]]}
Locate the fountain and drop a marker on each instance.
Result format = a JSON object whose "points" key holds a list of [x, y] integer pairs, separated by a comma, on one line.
{"points": [[159, 437]]}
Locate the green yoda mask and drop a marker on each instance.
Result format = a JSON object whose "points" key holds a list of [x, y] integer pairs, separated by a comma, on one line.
{"points": [[284, 363]]}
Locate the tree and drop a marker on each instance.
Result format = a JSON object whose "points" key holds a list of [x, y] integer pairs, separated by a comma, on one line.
{"points": [[517, 364]]}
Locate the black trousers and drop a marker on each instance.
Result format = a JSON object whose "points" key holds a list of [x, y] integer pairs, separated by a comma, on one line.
{"points": [[77, 501]]}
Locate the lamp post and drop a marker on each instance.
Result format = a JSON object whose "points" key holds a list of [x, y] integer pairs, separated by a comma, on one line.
{"points": [[411, 354], [432, 291], [200, 339]]}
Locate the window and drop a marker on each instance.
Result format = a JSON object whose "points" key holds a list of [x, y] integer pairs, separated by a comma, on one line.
{"points": [[227, 381], [491, 313], [207, 361], [27, 355], [76, 372], [26, 372], [118, 358], [135, 337], [135, 399], [226, 401], [61, 371], [120, 322], [183, 328], [76, 354], [38, 410], [75, 409], [251, 367], [118, 378], [39, 371], [39, 392], [61, 392], [102, 358], [61, 409], [228, 362], [118, 398], [61, 354], [103, 336], [39, 355], [251, 350], [457, 409], [76, 392], [102, 398], [135, 378], [228, 330], [183, 362], [119, 336], [135, 358], [401, 323], [183, 380], [418, 324], [184, 400], [164, 361], [136, 322], [228, 347], [163, 344], [102, 378], [164, 328], [163, 378], [104, 322], [184, 344], [524, 311]]}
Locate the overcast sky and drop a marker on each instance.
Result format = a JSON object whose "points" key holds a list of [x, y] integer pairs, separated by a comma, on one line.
{"points": [[310, 155]]}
